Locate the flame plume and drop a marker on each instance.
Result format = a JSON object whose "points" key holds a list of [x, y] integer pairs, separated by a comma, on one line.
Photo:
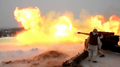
{"points": [[54, 28]]}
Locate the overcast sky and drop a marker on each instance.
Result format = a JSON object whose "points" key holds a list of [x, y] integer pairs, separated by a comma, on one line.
{"points": [[7, 8]]}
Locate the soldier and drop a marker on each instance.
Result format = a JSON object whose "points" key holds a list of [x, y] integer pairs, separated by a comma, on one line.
{"points": [[99, 48], [93, 41]]}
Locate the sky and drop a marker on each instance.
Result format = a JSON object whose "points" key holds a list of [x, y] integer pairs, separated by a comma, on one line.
{"points": [[7, 7]]}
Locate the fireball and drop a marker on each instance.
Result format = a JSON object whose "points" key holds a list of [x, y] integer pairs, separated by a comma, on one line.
{"points": [[31, 20], [55, 28]]}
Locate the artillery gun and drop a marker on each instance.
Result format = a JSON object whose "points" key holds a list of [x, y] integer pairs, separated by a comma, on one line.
{"points": [[109, 42]]}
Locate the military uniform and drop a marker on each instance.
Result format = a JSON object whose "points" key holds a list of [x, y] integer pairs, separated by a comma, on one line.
{"points": [[93, 41]]}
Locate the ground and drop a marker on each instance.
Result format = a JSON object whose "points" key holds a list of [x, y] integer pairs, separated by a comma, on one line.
{"points": [[12, 54]]}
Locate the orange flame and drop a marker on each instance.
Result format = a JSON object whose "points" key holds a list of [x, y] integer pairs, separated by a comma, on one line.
{"points": [[31, 19], [64, 28], [54, 28]]}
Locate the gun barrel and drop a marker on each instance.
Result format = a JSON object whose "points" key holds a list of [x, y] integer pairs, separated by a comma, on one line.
{"points": [[83, 33]]}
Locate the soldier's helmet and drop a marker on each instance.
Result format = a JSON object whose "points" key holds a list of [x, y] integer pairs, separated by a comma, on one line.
{"points": [[95, 31]]}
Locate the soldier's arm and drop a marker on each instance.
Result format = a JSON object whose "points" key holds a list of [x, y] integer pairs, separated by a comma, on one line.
{"points": [[99, 44], [101, 37], [88, 40]]}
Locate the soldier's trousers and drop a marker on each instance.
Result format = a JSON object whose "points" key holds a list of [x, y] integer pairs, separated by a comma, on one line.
{"points": [[92, 52]]}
